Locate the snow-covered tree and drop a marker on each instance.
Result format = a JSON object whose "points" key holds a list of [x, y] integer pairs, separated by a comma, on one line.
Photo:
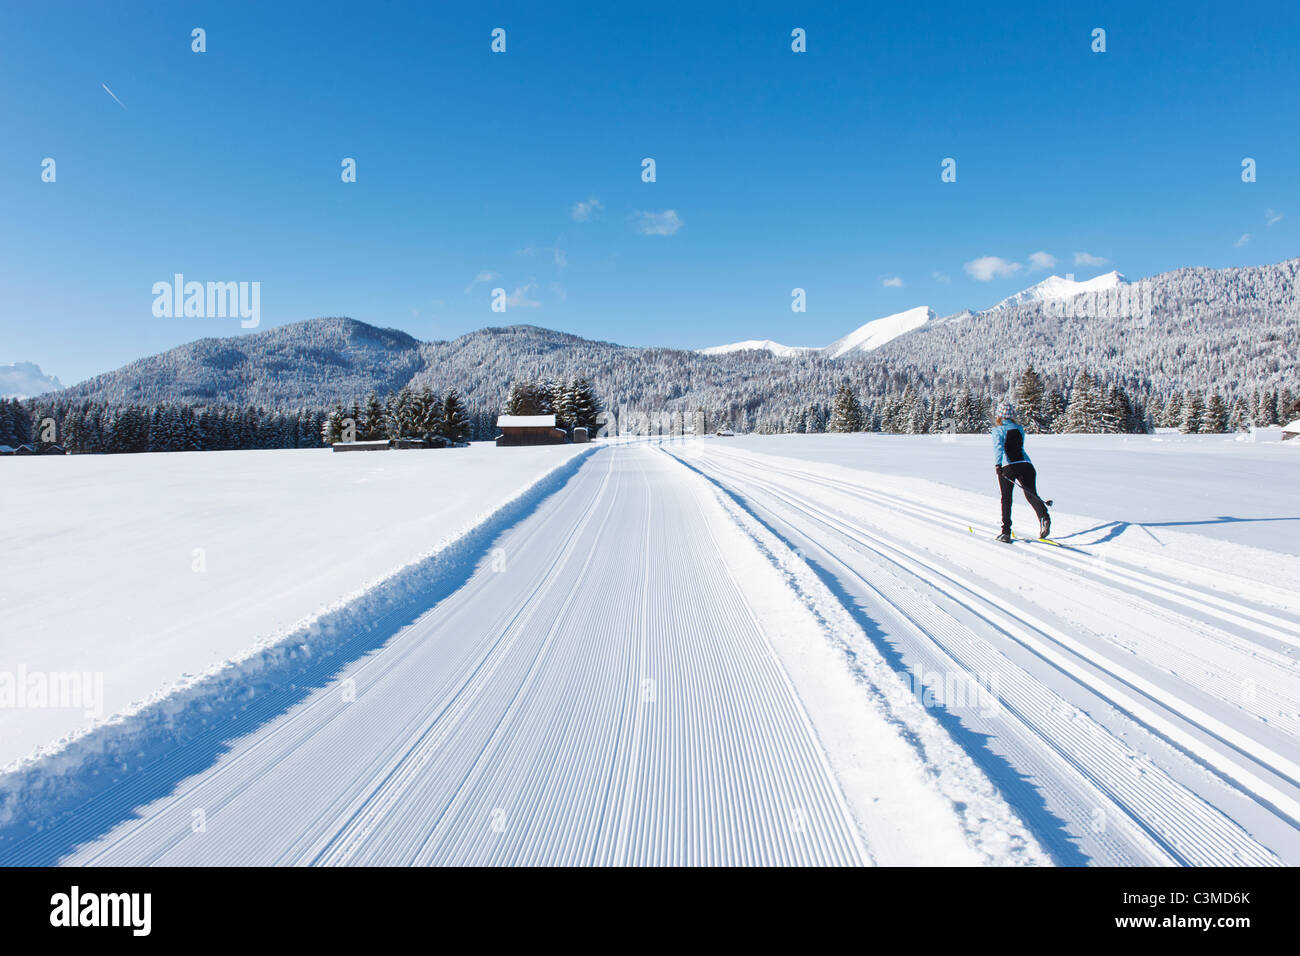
{"points": [[846, 413], [1215, 419]]}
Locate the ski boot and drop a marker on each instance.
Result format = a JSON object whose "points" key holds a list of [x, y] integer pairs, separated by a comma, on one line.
{"points": [[1005, 537], [1045, 526]]}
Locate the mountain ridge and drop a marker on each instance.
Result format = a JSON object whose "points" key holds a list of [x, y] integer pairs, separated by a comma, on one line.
{"points": [[1191, 328], [24, 379]]}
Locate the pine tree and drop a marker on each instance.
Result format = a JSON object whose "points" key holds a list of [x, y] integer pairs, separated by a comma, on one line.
{"points": [[1053, 415], [373, 422], [1193, 410], [1115, 412], [428, 412], [1029, 401], [584, 407], [846, 413], [1172, 417], [400, 416], [333, 430], [1239, 416], [455, 421], [1215, 419], [1084, 411]]}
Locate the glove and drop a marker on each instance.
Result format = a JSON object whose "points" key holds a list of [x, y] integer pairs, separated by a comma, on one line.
{"points": [[999, 470]]}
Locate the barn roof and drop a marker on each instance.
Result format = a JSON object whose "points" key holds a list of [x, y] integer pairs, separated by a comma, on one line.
{"points": [[525, 421]]}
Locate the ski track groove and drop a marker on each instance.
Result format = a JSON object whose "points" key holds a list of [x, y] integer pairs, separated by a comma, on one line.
{"points": [[1229, 660], [506, 724]]}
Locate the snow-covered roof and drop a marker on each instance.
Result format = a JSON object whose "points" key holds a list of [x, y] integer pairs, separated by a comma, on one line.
{"points": [[525, 421], [1293, 427]]}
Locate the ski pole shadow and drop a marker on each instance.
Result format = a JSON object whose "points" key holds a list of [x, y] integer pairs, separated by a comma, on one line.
{"points": [[54, 805], [1117, 528]]}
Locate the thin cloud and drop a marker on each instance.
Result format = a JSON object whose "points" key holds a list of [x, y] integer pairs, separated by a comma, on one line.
{"points": [[1245, 238], [520, 297], [892, 282], [1042, 260], [664, 223], [484, 276], [1086, 259], [986, 268], [941, 277], [1270, 216], [584, 211], [114, 95], [558, 255]]}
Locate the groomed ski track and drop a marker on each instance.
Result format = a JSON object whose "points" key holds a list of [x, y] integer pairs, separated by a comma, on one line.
{"points": [[598, 692], [693, 654], [1148, 710]]}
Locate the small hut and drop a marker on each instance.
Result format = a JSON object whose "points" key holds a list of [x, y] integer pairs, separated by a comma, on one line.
{"points": [[529, 430]]}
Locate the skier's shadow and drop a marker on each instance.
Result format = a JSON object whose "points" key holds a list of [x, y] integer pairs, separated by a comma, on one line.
{"points": [[1051, 830], [1117, 528]]}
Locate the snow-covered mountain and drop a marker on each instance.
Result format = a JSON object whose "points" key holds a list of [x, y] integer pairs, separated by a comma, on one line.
{"points": [[1055, 287], [23, 379], [1195, 328], [874, 334], [759, 345], [865, 338], [877, 332]]}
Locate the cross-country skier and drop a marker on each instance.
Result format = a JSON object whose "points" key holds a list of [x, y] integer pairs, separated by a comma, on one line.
{"points": [[1015, 468]]}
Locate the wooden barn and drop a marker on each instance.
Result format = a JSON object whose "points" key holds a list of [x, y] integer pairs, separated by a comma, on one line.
{"points": [[529, 430]]}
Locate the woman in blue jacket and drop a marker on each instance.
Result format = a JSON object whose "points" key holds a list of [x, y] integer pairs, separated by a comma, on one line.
{"points": [[1014, 467]]}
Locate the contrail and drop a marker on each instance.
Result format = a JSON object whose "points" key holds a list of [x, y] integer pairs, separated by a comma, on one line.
{"points": [[114, 95]]}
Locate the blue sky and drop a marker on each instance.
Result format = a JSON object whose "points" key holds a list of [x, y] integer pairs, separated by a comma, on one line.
{"points": [[817, 170]]}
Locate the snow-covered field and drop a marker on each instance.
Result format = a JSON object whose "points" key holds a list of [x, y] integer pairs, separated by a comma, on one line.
{"points": [[1147, 688], [1144, 485], [149, 569], [787, 649]]}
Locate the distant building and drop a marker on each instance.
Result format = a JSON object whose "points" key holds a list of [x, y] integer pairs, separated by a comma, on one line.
{"points": [[1291, 431], [381, 445], [529, 430], [580, 436]]}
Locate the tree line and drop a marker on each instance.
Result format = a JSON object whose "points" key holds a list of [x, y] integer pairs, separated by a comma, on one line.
{"points": [[90, 427], [409, 413], [1089, 405], [573, 402]]}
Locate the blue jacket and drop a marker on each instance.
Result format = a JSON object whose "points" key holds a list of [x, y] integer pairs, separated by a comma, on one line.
{"points": [[1017, 443]]}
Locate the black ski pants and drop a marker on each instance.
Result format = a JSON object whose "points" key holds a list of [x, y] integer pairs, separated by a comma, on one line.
{"points": [[1021, 472]]}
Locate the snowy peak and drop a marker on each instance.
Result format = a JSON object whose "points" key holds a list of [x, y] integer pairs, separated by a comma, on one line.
{"points": [[865, 338], [25, 379], [758, 345], [1055, 287], [874, 334]]}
